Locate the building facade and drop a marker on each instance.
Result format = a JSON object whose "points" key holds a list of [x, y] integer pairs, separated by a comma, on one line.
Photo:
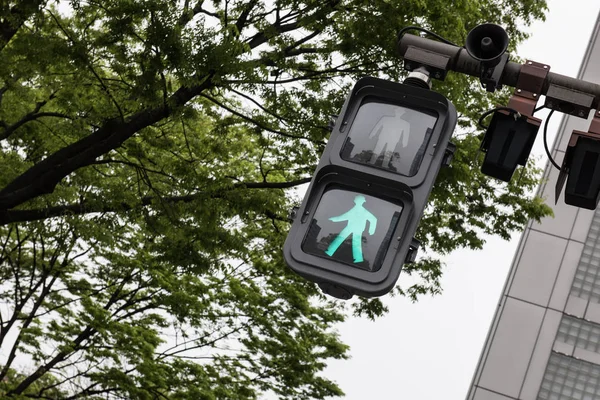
{"points": [[544, 342]]}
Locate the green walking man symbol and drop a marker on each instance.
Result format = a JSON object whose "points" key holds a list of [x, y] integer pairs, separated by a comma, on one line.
{"points": [[357, 218]]}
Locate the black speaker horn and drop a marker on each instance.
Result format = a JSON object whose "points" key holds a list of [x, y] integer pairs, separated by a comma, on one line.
{"points": [[487, 43]]}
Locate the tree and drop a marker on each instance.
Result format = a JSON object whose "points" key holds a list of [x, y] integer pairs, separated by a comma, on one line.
{"points": [[148, 152]]}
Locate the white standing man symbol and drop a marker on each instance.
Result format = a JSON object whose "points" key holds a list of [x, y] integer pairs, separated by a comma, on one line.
{"points": [[390, 130]]}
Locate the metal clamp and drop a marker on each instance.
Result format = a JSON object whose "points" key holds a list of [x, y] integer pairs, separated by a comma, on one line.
{"points": [[491, 77], [413, 248], [529, 88]]}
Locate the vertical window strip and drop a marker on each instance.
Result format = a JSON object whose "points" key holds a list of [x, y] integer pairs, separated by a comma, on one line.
{"points": [[586, 284], [580, 333], [567, 378]]}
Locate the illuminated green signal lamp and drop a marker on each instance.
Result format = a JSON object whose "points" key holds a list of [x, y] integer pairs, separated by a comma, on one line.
{"points": [[356, 225]]}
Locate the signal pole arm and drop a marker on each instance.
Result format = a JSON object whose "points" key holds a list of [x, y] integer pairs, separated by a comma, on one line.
{"points": [[418, 50]]}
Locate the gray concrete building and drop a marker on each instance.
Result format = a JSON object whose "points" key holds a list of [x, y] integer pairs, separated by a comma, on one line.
{"points": [[544, 341]]}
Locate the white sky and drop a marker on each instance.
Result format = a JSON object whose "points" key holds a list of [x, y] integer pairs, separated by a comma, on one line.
{"points": [[429, 350]]}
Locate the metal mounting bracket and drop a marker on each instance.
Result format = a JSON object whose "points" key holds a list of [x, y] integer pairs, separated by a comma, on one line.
{"points": [[529, 87]]}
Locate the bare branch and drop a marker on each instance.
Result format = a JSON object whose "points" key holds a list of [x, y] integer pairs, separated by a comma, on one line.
{"points": [[200, 343], [259, 124]]}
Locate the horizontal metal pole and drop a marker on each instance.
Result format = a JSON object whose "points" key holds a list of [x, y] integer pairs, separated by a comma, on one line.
{"points": [[461, 61]]}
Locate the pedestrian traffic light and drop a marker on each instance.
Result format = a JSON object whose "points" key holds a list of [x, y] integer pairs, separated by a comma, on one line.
{"points": [[355, 227]]}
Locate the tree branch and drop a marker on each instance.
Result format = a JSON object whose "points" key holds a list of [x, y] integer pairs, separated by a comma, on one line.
{"points": [[255, 102], [134, 165], [262, 37], [89, 392], [32, 116], [75, 346], [280, 27], [200, 343], [39, 301], [310, 74], [90, 67], [43, 177], [82, 208], [243, 18], [42, 369], [19, 304], [3, 90], [259, 124], [18, 14], [188, 14]]}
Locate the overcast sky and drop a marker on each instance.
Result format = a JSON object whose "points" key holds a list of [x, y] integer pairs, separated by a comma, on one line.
{"points": [[429, 350]]}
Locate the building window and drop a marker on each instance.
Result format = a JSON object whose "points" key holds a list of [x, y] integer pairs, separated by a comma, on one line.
{"points": [[567, 378], [580, 333], [586, 284]]}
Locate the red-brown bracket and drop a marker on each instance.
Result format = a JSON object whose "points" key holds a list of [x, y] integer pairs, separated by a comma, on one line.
{"points": [[529, 88]]}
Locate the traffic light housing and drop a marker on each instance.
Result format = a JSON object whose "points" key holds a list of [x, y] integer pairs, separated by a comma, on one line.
{"points": [[583, 181], [581, 167], [507, 143], [355, 227]]}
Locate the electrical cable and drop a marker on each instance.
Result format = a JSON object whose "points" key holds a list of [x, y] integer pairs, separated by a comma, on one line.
{"points": [[538, 109], [418, 28], [493, 110], [546, 142]]}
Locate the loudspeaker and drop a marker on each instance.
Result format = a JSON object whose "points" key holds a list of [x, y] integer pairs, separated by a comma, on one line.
{"points": [[487, 43]]}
